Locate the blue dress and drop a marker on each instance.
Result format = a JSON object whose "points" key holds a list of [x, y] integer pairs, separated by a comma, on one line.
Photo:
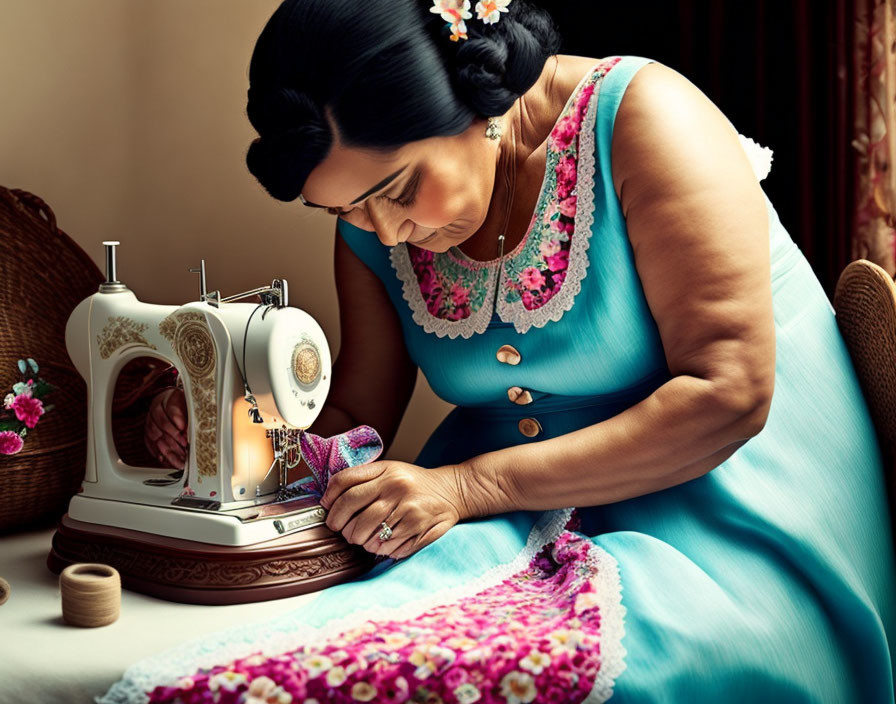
{"points": [[770, 578]]}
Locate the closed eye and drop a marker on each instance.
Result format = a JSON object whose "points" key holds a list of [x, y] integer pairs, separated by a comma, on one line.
{"points": [[406, 199], [409, 194]]}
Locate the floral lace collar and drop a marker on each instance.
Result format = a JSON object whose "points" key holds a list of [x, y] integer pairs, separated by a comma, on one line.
{"points": [[451, 294]]}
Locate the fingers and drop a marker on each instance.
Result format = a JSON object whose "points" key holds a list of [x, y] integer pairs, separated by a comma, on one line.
{"points": [[176, 408], [359, 499], [152, 433], [162, 444], [172, 453], [387, 547], [351, 476], [159, 415], [162, 438], [366, 525], [351, 501]]}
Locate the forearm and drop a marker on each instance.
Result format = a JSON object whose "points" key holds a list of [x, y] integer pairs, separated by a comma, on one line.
{"points": [[680, 432], [331, 421]]}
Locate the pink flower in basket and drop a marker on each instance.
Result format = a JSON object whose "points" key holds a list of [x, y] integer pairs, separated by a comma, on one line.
{"points": [[28, 409], [22, 409], [10, 442]]}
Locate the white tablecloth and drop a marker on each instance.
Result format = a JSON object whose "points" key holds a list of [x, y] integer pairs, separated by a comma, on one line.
{"points": [[44, 661]]}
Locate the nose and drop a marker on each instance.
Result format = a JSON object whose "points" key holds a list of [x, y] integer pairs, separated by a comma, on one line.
{"points": [[390, 227]]}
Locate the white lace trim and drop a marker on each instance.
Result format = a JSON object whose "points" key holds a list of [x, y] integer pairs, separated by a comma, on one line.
{"points": [[477, 322], [608, 589], [760, 157], [516, 313], [563, 300], [287, 632], [522, 318]]}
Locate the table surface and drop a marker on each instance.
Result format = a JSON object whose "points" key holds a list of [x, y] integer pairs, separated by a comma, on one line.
{"points": [[42, 659]]}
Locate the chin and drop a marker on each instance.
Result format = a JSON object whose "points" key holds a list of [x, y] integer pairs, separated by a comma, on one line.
{"points": [[432, 246], [428, 241], [441, 242]]}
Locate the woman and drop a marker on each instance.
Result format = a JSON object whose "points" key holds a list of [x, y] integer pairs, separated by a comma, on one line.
{"points": [[578, 254]]}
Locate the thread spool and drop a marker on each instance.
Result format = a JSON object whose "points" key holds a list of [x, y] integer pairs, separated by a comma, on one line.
{"points": [[4, 590], [91, 594]]}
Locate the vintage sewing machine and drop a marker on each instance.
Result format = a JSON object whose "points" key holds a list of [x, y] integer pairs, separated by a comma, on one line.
{"points": [[228, 527]]}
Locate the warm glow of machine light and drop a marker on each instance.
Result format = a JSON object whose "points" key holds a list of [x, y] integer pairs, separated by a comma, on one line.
{"points": [[253, 454]]}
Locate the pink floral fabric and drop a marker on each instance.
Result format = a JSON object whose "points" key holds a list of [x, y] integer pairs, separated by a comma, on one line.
{"points": [[454, 287], [326, 456], [533, 637]]}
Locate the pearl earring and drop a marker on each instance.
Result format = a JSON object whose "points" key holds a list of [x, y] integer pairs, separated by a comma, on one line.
{"points": [[493, 130]]}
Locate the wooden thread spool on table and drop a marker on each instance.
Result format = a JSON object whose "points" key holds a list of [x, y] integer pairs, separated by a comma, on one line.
{"points": [[91, 594]]}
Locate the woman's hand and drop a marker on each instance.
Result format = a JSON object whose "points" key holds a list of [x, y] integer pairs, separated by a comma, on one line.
{"points": [[418, 504], [165, 433]]}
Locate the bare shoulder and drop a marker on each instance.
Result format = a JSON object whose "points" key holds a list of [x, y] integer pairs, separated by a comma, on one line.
{"points": [[667, 132], [697, 221]]}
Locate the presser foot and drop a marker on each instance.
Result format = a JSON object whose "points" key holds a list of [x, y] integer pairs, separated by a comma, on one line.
{"points": [[285, 493]]}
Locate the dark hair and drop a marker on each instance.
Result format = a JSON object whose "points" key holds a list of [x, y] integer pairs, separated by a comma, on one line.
{"points": [[388, 73]]}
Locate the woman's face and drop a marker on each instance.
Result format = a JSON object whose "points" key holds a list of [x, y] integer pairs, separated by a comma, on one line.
{"points": [[434, 193]]}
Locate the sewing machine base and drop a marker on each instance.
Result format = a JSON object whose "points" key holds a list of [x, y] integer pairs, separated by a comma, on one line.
{"points": [[199, 573], [249, 525]]}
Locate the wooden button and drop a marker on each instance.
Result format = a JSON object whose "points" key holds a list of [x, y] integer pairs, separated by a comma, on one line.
{"points": [[518, 395], [529, 427], [508, 355]]}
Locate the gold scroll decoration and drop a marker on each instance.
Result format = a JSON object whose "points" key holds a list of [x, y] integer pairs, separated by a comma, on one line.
{"points": [[306, 363], [118, 332], [188, 333]]}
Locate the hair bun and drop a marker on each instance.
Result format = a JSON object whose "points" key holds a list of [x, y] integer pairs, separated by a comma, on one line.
{"points": [[277, 110], [378, 75], [281, 161], [500, 62]]}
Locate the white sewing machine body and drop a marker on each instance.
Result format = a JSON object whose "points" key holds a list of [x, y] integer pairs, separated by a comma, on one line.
{"points": [[232, 489]]}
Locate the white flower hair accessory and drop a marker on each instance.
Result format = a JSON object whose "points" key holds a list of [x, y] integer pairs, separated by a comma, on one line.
{"points": [[490, 11], [456, 11]]}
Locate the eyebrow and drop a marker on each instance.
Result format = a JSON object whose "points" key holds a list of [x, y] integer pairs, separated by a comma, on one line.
{"points": [[382, 184]]}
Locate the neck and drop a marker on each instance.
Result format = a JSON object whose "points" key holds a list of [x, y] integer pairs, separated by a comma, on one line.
{"points": [[520, 123]]}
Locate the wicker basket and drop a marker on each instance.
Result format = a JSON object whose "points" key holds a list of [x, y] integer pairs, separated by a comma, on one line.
{"points": [[44, 274]]}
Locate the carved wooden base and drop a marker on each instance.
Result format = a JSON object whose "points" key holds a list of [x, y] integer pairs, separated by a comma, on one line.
{"points": [[199, 573]]}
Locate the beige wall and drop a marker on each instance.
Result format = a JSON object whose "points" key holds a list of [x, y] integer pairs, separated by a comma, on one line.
{"points": [[128, 118]]}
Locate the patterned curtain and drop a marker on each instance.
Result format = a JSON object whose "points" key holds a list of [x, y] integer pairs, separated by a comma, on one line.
{"points": [[875, 132]]}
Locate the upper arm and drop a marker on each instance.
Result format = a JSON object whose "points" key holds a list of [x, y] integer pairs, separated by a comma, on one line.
{"points": [[373, 375], [697, 221]]}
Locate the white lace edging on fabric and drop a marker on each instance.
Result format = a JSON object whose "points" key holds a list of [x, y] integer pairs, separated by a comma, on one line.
{"points": [[564, 299], [760, 157], [608, 588], [516, 313], [441, 327], [288, 633]]}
